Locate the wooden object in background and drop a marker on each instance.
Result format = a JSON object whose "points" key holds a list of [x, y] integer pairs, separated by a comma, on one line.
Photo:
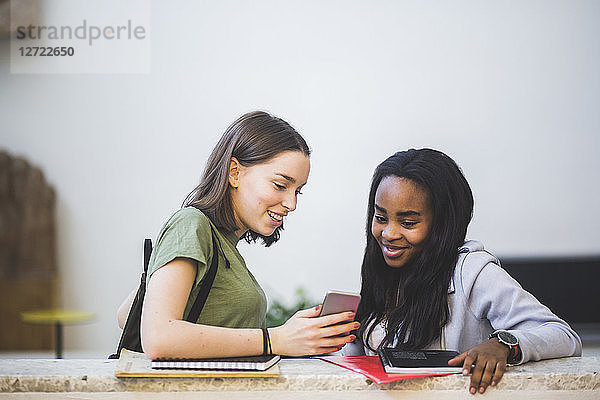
{"points": [[28, 269]]}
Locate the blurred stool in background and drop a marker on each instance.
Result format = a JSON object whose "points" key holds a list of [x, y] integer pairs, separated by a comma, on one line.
{"points": [[58, 318]]}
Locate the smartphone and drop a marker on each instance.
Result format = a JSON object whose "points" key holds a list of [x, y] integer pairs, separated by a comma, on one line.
{"points": [[336, 302]]}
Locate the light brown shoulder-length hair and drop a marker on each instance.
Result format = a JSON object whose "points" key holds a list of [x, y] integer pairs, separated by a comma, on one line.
{"points": [[253, 138]]}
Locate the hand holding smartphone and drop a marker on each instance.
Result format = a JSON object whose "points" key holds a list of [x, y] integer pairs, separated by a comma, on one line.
{"points": [[336, 302]]}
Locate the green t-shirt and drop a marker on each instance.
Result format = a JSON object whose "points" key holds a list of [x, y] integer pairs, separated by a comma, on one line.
{"points": [[235, 300]]}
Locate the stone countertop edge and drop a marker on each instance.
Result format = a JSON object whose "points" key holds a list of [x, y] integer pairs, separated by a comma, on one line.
{"points": [[30, 375]]}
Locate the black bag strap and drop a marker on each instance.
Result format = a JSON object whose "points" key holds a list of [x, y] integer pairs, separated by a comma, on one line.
{"points": [[147, 254], [130, 337], [196, 308]]}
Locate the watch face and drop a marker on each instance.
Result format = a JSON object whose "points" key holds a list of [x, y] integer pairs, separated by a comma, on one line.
{"points": [[507, 338]]}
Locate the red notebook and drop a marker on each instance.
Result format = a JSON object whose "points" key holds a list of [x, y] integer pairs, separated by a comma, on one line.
{"points": [[370, 366]]}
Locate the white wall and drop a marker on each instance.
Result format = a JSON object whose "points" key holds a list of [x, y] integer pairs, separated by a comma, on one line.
{"points": [[509, 89]]}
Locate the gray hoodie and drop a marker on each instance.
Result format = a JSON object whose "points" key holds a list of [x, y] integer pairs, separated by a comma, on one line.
{"points": [[483, 297]]}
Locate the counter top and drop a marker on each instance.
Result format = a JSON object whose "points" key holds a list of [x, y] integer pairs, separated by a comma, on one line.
{"points": [[52, 375]]}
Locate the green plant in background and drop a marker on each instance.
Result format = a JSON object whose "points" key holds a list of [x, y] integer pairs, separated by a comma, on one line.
{"points": [[278, 313]]}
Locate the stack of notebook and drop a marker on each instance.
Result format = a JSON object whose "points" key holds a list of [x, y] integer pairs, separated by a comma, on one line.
{"points": [[256, 363], [418, 361], [136, 365]]}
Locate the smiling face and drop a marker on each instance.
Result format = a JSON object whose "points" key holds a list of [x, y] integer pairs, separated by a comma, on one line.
{"points": [[263, 194], [402, 219]]}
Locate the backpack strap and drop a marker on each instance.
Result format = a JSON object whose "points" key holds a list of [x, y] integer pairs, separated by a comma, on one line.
{"points": [[147, 254], [196, 308], [130, 337]]}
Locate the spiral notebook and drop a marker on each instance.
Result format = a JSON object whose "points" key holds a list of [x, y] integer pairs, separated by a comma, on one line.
{"points": [[136, 365], [254, 363]]}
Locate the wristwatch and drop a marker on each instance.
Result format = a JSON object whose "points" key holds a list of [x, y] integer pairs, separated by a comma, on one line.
{"points": [[508, 339]]}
